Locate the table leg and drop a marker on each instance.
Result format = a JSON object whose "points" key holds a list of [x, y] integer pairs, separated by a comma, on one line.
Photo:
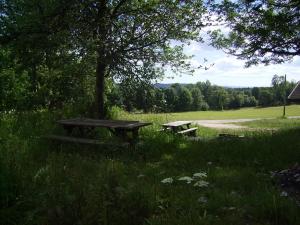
{"points": [[68, 129], [81, 131], [174, 129], [123, 134], [89, 132], [135, 134]]}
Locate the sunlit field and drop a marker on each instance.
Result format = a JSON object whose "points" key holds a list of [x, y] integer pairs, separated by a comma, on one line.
{"points": [[258, 112]]}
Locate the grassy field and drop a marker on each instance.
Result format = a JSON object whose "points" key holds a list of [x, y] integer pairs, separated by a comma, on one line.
{"points": [[165, 180], [269, 112], [279, 123]]}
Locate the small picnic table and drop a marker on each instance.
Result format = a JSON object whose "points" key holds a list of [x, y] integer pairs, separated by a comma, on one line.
{"points": [[120, 128], [180, 127]]}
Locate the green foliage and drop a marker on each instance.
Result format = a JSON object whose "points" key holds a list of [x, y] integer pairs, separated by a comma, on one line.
{"points": [[260, 31], [197, 102], [265, 98], [45, 183], [196, 97], [237, 100], [120, 40], [171, 98], [69, 82], [219, 98], [184, 100]]}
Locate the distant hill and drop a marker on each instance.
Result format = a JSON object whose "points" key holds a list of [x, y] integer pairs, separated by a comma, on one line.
{"points": [[162, 86], [165, 86]]}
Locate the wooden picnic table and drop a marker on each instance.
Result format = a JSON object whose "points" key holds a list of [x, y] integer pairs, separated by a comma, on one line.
{"points": [[126, 130], [177, 125], [180, 127]]}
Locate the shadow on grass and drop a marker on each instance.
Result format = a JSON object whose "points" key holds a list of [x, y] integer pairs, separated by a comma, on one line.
{"points": [[45, 183]]}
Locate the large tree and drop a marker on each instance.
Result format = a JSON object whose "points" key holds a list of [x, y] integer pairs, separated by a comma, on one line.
{"points": [[261, 31], [129, 39]]}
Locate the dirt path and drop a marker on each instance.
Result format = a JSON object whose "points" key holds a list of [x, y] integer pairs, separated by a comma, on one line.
{"points": [[229, 124], [223, 124]]}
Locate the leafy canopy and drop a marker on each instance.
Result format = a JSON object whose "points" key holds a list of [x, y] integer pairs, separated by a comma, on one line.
{"points": [[261, 31], [133, 38]]}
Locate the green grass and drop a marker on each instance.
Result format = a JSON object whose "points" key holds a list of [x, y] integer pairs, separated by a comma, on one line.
{"points": [[269, 112], [47, 183], [278, 123]]}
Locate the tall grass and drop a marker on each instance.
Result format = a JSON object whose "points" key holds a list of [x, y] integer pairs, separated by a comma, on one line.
{"points": [[50, 183]]}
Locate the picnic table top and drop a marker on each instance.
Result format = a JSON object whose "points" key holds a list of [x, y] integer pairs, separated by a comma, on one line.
{"points": [[87, 122], [177, 123]]}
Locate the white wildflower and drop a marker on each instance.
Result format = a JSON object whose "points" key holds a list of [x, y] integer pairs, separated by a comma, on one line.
{"points": [[200, 175], [168, 180], [187, 179], [201, 183], [141, 176], [284, 194], [229, 208], [202, 199]]}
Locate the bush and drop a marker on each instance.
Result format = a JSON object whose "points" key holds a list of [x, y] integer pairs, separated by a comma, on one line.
{"points": [[204, 106]]}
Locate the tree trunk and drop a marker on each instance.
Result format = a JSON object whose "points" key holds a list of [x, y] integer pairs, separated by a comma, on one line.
{"points": [[100, 85]]}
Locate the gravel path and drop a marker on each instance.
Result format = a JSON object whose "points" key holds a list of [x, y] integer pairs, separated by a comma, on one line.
{"points": [[223, 124], [229, 124]]}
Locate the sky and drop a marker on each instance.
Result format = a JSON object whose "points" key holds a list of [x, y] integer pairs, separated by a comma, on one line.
{"points": [[231, 72]]}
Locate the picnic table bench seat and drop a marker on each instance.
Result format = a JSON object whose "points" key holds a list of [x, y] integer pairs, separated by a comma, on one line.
{"points": [[74, 139], [190, 131], [83, 140]]}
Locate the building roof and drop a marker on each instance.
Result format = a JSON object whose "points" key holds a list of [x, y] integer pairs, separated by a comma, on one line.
{"points": [[295, 94]]}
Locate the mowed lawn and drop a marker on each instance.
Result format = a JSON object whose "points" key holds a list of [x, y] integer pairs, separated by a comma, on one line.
{"points": [[257, 112]]}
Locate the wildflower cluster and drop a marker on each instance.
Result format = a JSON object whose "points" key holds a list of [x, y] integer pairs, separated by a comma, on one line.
{"points": [[197, 177]]}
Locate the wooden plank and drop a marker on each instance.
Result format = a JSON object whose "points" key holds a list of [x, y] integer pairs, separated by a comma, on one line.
{"points": [[177, 123], [129, 125], [75, 139], [89, 120], [190, 131], [95, 121], [85, 141], [132, 126], [102, 123]]}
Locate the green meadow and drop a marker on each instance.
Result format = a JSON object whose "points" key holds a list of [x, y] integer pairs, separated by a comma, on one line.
{"points": [[166, 179], [243, 113]]}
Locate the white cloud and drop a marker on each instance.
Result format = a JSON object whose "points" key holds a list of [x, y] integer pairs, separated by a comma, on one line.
{"points": [[192, 48], [229, 71]]}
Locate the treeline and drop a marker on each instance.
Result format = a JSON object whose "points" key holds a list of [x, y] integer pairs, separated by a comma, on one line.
{"points": [[72, 82], [200, 96], [27, 85]]}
